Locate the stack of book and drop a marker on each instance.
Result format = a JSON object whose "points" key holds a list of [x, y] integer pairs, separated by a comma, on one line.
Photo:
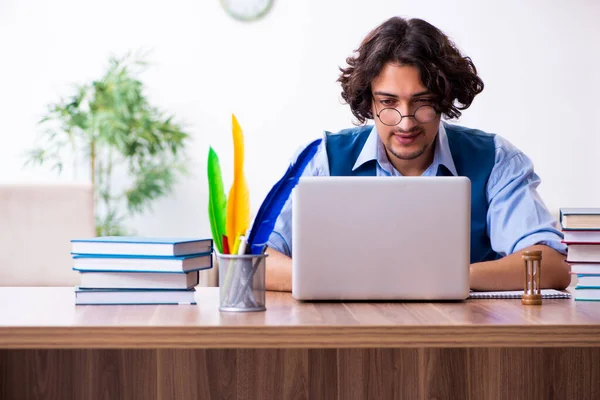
{"points": [[139, 270], [581, 228]]}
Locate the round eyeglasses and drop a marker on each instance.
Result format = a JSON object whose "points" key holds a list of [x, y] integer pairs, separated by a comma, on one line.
{"points": [[392, 117]]}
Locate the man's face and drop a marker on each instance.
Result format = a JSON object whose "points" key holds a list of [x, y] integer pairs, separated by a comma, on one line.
{"points": [[400, 87]]}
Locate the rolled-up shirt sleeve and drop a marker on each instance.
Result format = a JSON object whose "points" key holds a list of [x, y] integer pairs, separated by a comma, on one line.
{"points": [[517, 217], [281, 237]]}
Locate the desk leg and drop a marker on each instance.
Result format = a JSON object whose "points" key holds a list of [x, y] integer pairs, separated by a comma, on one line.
{"points": [[565, 373]]}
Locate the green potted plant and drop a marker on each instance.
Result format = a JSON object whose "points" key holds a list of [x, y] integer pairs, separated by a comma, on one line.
{"points": [[108, 126]]}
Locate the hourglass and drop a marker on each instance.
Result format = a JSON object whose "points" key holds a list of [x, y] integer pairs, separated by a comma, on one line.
{"points": [[532, 295]]}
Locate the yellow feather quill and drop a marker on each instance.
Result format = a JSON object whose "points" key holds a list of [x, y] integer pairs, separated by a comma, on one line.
{"points": [[238, 203]]}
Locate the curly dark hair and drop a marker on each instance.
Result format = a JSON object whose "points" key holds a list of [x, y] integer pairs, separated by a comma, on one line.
{"points": [[451, 77]]}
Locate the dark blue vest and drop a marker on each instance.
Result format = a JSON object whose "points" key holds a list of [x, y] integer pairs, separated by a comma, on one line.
{"points": [[473, 153]]}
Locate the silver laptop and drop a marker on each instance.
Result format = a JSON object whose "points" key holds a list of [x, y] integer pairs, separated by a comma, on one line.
{"points": [[381, 238]]}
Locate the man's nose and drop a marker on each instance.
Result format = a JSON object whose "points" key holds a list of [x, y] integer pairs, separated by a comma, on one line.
{"points": [[408, 122]]}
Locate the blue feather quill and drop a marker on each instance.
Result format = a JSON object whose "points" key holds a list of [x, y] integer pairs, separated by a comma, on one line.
{"points": [[271, 207]]}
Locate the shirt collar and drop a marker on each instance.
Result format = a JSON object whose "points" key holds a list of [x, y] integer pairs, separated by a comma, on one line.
{"points": [[441, 156], [369, 150]]}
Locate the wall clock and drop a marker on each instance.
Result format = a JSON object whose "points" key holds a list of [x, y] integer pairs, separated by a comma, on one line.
{"points": [[247, 10]]}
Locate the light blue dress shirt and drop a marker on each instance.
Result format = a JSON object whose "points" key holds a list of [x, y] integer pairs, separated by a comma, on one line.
{"points": [[517, 217]]}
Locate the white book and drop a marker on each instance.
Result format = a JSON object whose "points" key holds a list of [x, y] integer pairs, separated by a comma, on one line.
{"points": [[587, 294], [119, 296], [581, 237], [138, 280], [583, 252], [585, 268], [138, 245], [142, 264], [588, 280]]}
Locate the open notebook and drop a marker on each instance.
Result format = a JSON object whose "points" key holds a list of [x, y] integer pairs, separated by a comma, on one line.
{"points": [[516, 294]]}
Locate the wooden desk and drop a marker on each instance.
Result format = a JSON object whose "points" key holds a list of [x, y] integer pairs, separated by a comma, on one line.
{"points": [[477, 349]]}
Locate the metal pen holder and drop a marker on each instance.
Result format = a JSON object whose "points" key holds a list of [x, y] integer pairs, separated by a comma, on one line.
{"points": [[241, 282]]}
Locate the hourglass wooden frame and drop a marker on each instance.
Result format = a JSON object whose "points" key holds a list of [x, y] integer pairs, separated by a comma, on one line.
{"points": [[532, 293]]}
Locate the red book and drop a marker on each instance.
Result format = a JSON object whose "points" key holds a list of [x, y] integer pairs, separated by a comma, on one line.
{"points": [[581, 237], [583, 253]]}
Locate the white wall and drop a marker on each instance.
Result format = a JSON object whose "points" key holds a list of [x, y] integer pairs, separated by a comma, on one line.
{"points": [[538, 59]]}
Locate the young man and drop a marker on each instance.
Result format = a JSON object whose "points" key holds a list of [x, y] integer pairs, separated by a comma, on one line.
{"points": [[405, 76]]}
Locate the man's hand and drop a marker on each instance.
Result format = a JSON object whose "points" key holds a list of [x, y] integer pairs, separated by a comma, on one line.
{"points": [[278, 271], [507, 273], [503, 274]]}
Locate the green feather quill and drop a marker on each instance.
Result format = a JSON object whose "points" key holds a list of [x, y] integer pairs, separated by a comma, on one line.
{"points": [[217, 201]]}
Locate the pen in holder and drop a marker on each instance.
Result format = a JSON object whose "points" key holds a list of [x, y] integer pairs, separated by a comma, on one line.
{"points": [[241, 282], [532, 295]]}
